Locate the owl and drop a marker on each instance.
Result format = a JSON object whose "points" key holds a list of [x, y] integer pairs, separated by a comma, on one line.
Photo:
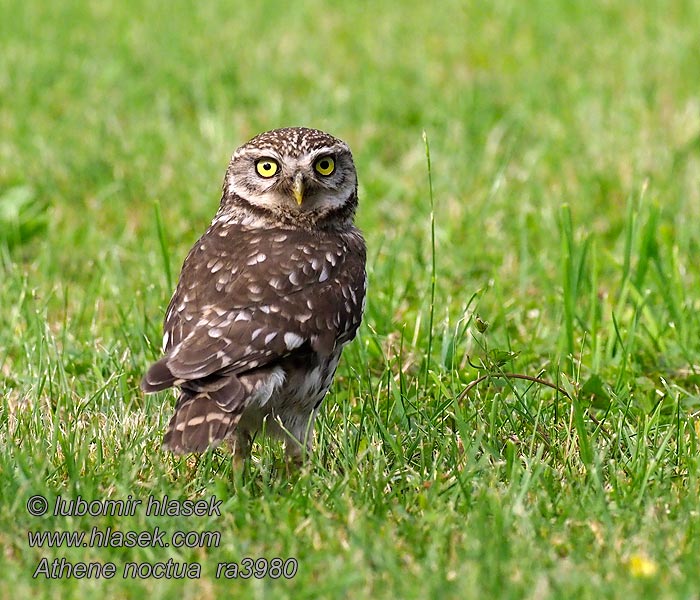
{"points": [[267, 298]]}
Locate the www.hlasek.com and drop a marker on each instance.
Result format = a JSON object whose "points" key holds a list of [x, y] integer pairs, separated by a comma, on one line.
{"points": [[156, 537]]}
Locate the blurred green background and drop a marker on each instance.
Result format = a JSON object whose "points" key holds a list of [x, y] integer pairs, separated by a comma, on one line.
{"points": [[565, 166]]}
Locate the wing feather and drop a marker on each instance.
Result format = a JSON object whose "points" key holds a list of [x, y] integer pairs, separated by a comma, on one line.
{"points": [[249, 298]]}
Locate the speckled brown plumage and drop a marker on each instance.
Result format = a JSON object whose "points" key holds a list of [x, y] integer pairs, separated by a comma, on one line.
{"points": [[266, 299]]}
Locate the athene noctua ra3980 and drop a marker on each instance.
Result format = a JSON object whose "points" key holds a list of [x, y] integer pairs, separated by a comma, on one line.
{"points": [[267, 297]]}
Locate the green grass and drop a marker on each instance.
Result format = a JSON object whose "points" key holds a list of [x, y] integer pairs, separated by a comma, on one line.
{"points": [[554, 235]]}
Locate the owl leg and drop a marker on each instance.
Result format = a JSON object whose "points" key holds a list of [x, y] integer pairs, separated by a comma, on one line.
{"points": [[298, 436], [241, 443]]}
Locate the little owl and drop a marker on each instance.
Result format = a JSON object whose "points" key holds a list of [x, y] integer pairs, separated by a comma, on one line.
{"points": [[267, 297]]}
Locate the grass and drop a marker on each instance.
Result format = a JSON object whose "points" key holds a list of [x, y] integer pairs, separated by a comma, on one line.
{"points": [[550, 231]]}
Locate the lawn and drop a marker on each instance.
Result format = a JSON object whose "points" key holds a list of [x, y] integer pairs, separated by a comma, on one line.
{"points": [[518, 417]]}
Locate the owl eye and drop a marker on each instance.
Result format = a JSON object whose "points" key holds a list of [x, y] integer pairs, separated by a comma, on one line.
{"points": [[325, 166], [267, 167]]}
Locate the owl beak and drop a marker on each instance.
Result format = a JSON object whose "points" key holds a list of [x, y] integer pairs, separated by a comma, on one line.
{"points": [[298, 188]]}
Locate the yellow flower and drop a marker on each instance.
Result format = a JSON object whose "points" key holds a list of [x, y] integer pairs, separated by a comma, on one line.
{"points": [[642, 566]]}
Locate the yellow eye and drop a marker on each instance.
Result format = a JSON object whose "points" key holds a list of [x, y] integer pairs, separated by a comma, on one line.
{"points": [[325, 166], [267, 167]]}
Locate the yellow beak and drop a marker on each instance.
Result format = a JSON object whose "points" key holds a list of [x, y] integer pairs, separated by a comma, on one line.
{"points": [[298, 188]]}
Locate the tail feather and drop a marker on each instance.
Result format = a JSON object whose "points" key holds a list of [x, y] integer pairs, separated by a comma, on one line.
{"points": [[199, 423]]}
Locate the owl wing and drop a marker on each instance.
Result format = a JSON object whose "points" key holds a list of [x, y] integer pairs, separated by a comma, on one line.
{"points": [[247, 299]]}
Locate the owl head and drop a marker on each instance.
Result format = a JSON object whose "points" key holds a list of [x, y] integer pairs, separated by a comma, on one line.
{"points": [[295, 177]]}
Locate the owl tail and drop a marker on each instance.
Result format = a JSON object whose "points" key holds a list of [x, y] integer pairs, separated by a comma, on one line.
{"points": [[198, 423], [207, 410]]}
